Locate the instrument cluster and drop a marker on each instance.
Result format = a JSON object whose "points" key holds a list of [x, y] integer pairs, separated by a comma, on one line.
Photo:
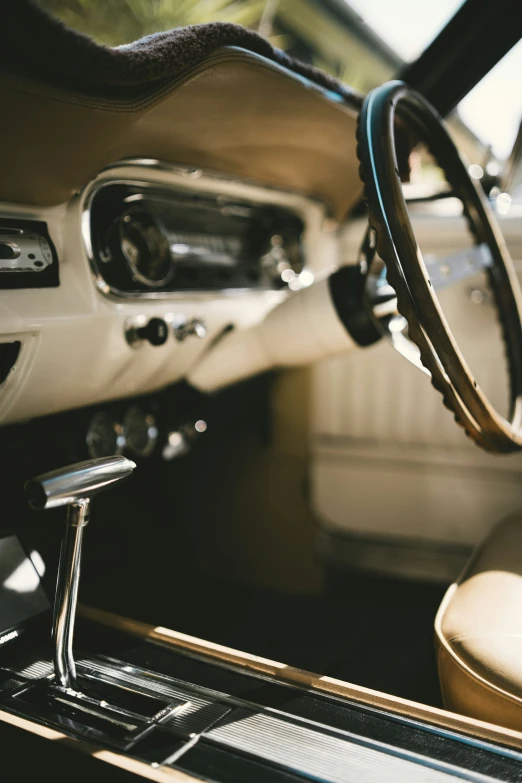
{"points": [[147, 239]]}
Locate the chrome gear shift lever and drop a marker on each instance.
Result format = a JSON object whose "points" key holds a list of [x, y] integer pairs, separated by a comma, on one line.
{"points": [[72, 486]]}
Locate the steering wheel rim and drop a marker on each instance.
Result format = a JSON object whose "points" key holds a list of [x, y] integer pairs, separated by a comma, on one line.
{"points": [[406, 271]]}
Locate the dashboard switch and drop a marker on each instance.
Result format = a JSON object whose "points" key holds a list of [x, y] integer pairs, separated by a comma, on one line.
{"points": [[193, 328], [9, 251], [155, 332]]}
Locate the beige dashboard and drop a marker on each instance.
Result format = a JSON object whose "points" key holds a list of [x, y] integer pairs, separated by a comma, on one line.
{"points": [[274, 138], [74, 349], [236, 112]]}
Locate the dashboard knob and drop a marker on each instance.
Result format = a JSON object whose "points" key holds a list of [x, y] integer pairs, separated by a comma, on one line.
{"points": [[156, 332], [193, 328], [9, 251]]}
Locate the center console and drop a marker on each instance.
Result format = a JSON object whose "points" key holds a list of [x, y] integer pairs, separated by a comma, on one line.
{"points": [[168, 709]]}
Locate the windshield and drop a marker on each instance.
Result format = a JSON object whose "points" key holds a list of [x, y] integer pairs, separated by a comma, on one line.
{"points": [[493, 109], [408, 26]]}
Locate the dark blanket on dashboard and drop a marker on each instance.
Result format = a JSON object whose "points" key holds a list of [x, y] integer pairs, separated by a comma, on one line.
{"points": [[38, 45]]}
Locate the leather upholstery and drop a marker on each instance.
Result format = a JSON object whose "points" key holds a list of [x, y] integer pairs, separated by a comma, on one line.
{"points": [[479, 632]]}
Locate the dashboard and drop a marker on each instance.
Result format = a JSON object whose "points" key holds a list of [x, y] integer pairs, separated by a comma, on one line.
{"points": [[118, 292], [157, 221]]}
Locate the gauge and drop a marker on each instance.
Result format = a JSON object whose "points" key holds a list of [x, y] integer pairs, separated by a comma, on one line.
{"points": [[284, 259], [145, 248], [105, 436], [141, 431]]}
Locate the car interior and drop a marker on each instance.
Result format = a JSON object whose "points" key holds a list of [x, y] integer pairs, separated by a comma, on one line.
{"points": [[261, 390]]}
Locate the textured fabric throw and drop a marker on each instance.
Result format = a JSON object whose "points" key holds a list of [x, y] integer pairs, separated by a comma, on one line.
{"points": [[40, 46]]}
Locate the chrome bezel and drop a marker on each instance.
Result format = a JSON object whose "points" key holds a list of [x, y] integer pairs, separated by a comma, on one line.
{"points": [[152, 432], [190, 173], [136, 274], [119, 432]]}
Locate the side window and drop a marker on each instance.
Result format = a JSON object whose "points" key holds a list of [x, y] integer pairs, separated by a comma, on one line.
{"points": [[486, 126]]}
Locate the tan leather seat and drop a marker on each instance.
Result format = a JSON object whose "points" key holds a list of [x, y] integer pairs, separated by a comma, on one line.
{"points": [[479, 632]]}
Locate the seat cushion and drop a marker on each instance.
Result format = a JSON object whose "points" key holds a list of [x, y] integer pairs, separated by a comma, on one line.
{"points": [[479, 632]]}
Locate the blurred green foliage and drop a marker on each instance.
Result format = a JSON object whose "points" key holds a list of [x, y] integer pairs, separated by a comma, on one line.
{"points": [[116, 22], [306, 29]]}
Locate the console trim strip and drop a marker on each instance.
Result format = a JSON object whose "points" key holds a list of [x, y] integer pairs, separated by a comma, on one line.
{"points": [[314, 682], [160, 774]]}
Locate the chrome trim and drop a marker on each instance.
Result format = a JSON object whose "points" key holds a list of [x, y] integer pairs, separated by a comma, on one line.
{"points": [[195, 172], [15, 248], [195, 327], [66, 598], [136, 274], [152, 432], [190, 172], [75, 482], [104, 418], [73, 486]]}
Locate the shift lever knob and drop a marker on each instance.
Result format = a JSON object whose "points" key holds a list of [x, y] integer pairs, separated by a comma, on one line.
{"points": [[83, 480], [72, 486]]}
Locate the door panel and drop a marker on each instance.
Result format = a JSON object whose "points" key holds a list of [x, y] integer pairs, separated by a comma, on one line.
{"points": [[387, 457]]}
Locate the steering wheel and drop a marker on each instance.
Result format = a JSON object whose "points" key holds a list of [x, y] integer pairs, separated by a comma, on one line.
{"points": [[391, 236]]}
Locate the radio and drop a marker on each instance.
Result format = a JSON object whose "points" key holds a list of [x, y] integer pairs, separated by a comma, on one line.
{"points": [[146, 240], [27, 255]]}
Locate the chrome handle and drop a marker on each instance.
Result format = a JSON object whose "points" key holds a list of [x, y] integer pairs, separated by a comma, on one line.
{"points": [[76, 482], [193, 328], [72, 486]]}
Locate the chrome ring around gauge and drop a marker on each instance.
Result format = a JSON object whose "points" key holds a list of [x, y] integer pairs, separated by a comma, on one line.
{"points": [[140, 430], [105, 436], [145, 248]]}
